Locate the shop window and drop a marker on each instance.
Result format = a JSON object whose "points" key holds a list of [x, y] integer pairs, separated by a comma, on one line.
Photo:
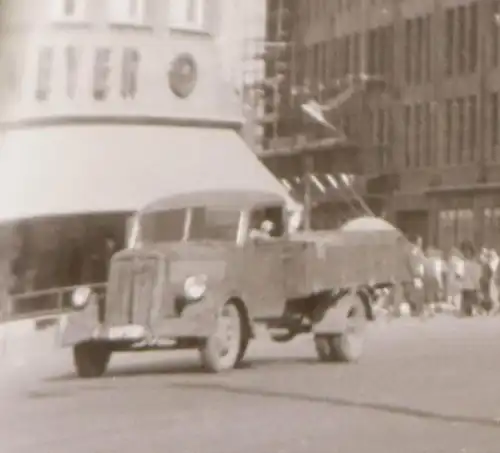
{"points": [[446, 229], [491, 231], [51, 254], [465, 225]]}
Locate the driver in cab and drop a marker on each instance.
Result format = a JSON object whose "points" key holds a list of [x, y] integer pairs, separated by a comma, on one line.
{"points": [[264, 231]]}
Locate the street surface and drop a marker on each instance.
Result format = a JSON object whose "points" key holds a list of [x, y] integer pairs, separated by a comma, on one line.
{"points": [[430, 386]]}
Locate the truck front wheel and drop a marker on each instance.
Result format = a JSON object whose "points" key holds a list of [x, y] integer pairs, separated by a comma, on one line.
{"points": [[226, 347], [91, 359], [347, 346]]}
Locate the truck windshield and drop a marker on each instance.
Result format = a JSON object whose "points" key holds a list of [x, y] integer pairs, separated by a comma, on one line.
{"points": [[219, 224], [163, 226]]}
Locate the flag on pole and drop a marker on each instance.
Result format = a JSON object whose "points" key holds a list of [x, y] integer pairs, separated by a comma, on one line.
{"points": [[313, 109]]}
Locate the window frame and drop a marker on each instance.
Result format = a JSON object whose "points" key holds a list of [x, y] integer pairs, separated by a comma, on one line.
{"points": [[59, 16], [175, 23], [117, 16]]}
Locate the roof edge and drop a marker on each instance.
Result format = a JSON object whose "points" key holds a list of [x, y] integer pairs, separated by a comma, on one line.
{"points": [[121, 120]]}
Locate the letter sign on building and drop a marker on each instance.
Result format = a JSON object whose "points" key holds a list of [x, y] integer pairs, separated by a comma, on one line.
{"points": [[183, 75]]}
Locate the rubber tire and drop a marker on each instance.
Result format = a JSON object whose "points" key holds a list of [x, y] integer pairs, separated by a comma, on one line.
{"points": [[209, 351], [245, 342], [91, 359], [338, 347]]}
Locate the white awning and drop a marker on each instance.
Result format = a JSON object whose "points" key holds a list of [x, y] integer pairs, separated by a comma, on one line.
{"points": [[108, 168]]}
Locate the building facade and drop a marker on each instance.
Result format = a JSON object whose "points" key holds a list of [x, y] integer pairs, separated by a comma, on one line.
{"points": [[429, 143], [107, 106], [242, 39]]}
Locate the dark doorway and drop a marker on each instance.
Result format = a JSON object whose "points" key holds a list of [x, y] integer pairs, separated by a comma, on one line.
{"points": [[414, 223]]}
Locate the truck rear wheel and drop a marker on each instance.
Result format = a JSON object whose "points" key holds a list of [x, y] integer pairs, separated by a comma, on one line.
{"points": [[226, 347], [91, 359], [347, 346]]}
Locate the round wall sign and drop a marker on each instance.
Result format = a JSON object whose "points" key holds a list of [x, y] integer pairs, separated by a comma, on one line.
{"points": [[183, 75]]}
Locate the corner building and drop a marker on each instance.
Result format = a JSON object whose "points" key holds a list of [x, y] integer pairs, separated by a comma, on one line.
{"points": [[107, 105], [429, 146]]}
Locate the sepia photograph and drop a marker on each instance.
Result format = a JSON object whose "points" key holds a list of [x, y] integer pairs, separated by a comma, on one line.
{"points": [[250, 226]]}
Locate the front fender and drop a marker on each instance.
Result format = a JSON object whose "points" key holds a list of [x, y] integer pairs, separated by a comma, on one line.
{"points": [[332, 318], [79, 326], [197, 318]]}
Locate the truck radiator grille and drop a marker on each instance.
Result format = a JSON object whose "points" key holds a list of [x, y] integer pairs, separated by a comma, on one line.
{"points": [[131, 291]]}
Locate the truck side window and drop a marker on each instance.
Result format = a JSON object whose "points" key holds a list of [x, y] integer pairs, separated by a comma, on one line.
{"points": [[274, 215]]}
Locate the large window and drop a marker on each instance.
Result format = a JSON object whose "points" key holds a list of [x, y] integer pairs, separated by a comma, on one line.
{"points": [[492, 227], [127, 12], [187, 14], [455, 226]]}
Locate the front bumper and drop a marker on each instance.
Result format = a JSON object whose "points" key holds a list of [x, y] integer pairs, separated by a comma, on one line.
{"points": [[196, 321]]}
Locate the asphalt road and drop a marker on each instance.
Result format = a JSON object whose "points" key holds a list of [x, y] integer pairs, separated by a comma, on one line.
{"points": [[421, 387]]}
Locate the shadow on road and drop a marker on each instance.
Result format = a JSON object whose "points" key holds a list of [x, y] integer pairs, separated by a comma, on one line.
{"points": [[191, 367], [341, 402]]}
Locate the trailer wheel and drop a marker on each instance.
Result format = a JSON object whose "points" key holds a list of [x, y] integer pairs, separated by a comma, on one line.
{"points": [[347, 346], [91, 359], [226, 347]]}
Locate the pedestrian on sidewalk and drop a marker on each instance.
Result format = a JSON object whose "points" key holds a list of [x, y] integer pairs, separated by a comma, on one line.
{"points": [[470, 281]]}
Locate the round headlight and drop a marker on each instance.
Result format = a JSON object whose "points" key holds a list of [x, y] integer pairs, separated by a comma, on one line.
{"points": [[195, 287], [81, 297]]}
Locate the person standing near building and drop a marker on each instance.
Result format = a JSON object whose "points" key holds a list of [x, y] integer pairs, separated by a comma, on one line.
{"points": [[470, 281], [414, 290]]}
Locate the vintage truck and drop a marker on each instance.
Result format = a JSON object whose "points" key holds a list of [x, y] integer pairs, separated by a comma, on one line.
{"points": [[197, 278]]}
